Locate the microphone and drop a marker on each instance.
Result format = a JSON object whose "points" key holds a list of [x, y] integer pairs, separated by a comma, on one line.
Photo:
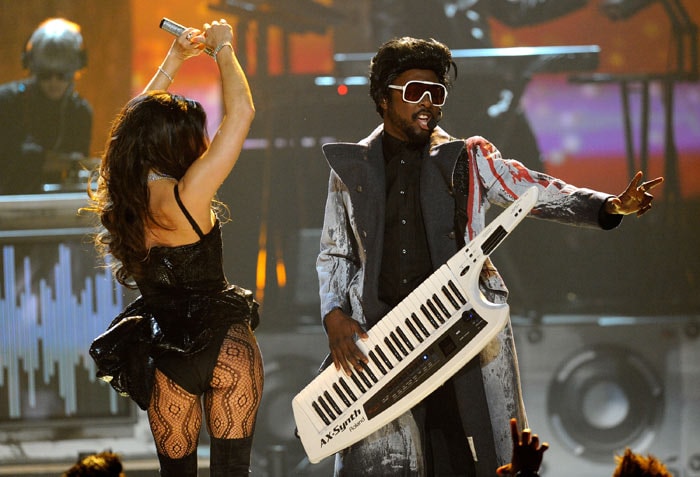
{"points": [[176, 29], [432, 122]]}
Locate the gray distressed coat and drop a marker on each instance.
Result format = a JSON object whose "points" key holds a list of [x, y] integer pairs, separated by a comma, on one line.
{"points": [[351, 242]]}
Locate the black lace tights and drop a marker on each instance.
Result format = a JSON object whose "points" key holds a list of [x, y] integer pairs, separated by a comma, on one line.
{"points": [[230, 405]]}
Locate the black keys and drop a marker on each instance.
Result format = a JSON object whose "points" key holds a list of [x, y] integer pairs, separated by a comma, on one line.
{"points": [[450, 297], [321, 414], [420, 325], [347, 389], [455, 290], [357, 382], [326, 407], [381, 354], [375, 360], [391, 347], [398, 343], [363, 377], [413, 329], [369, 373], [435, 311], [442, 307], [430, 318], [404, 338], [341, 394], [330, 401]]}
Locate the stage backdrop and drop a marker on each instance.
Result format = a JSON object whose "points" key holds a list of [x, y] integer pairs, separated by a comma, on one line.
{"points": [[276, 196]]}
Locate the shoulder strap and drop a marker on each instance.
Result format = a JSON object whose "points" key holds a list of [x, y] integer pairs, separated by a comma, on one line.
{"points": [[460, 188], [187, 214]]}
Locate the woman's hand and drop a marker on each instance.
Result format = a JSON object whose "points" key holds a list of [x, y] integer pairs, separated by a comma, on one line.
{"points": [[217, 33], [189, 44]]}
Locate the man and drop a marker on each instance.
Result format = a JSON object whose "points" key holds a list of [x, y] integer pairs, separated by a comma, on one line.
{"points": [[45, 126], [400, 203]]}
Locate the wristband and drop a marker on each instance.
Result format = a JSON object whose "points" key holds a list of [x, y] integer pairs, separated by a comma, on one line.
{"points": [[220, 46], [165, 74]]}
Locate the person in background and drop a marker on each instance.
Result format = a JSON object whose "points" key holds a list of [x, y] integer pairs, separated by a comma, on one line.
{"points": [[45, 125], [185, 348], [400, 203], [101, 464], [631, 464]]}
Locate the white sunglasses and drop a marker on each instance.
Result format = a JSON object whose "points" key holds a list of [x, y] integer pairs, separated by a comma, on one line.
{"points": [[413, 92]]}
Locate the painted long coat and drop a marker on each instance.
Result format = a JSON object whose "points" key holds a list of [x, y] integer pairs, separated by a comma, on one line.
{"points": [[349, 261]]}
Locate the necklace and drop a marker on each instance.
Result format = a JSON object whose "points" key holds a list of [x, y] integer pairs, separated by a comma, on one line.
{"points": [[157, 176]]}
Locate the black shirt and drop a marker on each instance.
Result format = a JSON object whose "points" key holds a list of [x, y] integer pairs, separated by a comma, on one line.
{"points": [[31, 126], [405, 259]]}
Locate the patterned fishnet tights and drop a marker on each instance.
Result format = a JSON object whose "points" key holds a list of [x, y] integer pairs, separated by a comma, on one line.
{"points": [[230, 406]]}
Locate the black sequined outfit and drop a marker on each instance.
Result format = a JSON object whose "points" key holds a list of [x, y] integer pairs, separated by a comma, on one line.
{"points": [[178, 323]]}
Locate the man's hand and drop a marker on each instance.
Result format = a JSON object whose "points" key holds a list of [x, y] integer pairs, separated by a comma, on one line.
{"points": [[636, 199], [342, 330]]}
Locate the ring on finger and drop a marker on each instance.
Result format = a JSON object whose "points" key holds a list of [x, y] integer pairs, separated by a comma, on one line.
{"points": [[189, 35]]}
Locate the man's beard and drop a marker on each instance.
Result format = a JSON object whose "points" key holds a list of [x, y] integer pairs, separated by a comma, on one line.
{"points": [[416, 137]]}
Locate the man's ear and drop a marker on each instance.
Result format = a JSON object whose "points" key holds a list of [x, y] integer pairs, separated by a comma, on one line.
{"points": [[384, 104]]}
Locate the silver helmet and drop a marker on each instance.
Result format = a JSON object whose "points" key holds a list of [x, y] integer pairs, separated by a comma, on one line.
{"points": [[56, 45]]}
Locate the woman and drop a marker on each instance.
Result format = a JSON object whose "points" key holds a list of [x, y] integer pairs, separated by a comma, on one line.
{"points": [[187, 340]]}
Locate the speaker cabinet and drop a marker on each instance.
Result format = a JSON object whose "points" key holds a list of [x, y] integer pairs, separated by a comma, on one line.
{"points": [[292, 359], [593, 386]]}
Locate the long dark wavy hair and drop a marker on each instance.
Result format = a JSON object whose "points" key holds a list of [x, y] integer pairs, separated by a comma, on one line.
{"points": [[407, 53], [154, 132]]}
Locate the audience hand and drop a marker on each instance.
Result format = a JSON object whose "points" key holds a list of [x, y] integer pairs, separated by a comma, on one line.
{"points": [[527, 452]]}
